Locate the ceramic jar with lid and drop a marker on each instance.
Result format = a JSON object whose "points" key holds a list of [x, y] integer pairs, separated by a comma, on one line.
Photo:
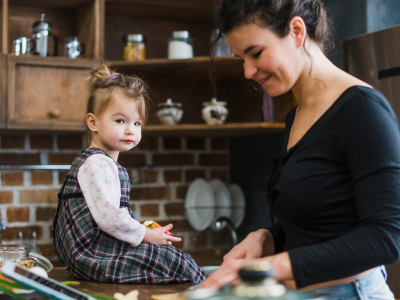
{"points": [[214, 112], [169, 113], [135, 47]]}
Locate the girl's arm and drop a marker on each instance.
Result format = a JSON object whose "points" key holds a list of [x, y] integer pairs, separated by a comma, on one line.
{"points": [[99, 181]]}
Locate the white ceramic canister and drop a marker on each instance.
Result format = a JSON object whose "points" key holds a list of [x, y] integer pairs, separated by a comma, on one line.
{"points": [[169, 113], [180, 45], [214, 112]]}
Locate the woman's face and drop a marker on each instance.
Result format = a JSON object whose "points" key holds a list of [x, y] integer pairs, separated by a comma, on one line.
{"points": [[268, 59]]}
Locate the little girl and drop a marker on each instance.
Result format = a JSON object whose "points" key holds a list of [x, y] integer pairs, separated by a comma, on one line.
{"points": [[94, 230]]}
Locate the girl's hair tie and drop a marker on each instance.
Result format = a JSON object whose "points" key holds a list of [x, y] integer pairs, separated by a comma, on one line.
{"points": [[112, 77]]}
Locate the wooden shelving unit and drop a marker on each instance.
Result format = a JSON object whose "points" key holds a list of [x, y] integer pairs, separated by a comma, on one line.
{"points": [[227, 130], [225, 68]]}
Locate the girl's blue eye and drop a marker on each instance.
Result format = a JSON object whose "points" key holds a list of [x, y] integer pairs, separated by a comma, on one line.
{"points": [[137, 124], [120, 121], [255, 55]]}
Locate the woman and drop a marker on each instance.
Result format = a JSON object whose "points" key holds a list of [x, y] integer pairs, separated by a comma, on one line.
{"points": [[335, 188]]}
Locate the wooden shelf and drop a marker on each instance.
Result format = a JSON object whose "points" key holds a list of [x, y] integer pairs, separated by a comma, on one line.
{"points": [[69, 4], [226, 68], [227, 130]]}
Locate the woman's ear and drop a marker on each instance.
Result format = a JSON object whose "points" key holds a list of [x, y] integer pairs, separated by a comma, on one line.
{"points": [[91, 122], [298, 31]]}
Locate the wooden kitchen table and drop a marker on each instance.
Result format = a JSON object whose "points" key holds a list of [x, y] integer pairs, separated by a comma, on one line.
{"points": [[108, 289]]}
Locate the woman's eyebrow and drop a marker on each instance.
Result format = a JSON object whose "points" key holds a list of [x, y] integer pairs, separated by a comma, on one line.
{"points": [[249, 48]]}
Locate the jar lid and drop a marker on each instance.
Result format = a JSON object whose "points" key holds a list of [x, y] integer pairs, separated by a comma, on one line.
{"points": [[42, 25], [137, 38], [41, 261], [169, 104], [182, 34]]}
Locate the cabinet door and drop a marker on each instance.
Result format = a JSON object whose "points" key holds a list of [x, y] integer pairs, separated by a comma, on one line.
{"points": [[47, 93]]}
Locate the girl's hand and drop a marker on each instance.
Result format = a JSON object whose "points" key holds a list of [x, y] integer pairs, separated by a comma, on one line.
{"points": [[257, 244], [228, 272], [158, 236]]}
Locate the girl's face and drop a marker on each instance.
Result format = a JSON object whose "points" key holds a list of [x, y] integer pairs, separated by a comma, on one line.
{"points": [[268, 59], [119, 128]]}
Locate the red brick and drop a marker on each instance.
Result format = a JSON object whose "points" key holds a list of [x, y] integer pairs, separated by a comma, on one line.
{"points": [[41, 177], [45, 213], [148, 143], [150, 193], [173, 176], [195, 144], [221, 238], [61, 158], [47, 250], [12, 178], [41, 141], [198, 240], [133, 207], [181, 191], [174, 209], [178, 245], [38, 196], [219, 144], [132, 159], [11, 233], [213, 159], [203, 255], [175, 159], [19, 159], [51, 231], [6, 197], [62, 175], [150, 176], [70, 141], [149, 210], [12, 142], [194, 174], [172, 143], [220, 174], [181, 225], [18, 214]]}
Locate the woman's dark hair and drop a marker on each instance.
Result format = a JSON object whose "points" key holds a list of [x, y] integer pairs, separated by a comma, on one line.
{"points": [[276, 15]]}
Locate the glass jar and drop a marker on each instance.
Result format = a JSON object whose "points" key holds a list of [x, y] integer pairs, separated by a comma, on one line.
{"points": [[135, 47], [180, 45], [18, 254]]}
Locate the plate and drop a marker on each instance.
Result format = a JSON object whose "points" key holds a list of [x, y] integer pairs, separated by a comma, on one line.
{"points": [[222, 200], [199, 204], [238, 204]]}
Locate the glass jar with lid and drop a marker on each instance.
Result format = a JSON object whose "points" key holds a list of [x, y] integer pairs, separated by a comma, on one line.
{"points": [[180, 45], [135, 47], [18, 254]]}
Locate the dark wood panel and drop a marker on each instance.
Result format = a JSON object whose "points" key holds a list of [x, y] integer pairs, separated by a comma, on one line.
{"points": [[157, 33], [3, 90], [36, 86], [3, 25]]}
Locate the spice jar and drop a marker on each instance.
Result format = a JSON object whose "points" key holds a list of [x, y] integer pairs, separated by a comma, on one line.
{"points": [[135, 47], [18, 254], [180, 45]]}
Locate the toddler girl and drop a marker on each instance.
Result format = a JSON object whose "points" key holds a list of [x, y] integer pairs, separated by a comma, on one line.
{"points": [[94, 230]]}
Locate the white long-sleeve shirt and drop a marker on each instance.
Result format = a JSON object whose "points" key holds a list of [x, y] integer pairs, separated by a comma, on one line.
{"points": [[99, 181]]}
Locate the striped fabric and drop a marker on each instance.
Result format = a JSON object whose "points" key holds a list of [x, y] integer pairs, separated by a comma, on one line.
{"points": [[92, 254]]}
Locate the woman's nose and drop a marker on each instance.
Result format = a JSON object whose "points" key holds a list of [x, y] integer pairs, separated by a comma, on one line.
{"points": [[249, 70]]}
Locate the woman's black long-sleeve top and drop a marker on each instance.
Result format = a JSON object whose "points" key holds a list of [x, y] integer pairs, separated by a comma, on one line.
{"points": [[336, 193]]}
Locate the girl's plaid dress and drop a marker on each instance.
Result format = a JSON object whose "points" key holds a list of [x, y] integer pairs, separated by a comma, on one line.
{"points": [[92, 254]]}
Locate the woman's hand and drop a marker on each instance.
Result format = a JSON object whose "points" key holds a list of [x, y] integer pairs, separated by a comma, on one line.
{"points": [[228, 272], [158, 236], [257, 244]]}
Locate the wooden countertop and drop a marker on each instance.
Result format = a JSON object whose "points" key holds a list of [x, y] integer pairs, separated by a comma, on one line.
{"points": [[108, 289]]}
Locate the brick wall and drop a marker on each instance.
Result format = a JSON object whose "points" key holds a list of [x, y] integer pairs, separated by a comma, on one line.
{"points": [[28, 199]]}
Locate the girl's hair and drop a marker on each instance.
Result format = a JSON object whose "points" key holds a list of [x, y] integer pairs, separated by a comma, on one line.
{"points": [[276, 15], [105, 84]]}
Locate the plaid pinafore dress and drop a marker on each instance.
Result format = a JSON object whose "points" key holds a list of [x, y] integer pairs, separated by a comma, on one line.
{"points": [[92, 254]]}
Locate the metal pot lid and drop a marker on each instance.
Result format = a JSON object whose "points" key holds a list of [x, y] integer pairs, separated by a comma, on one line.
{"points": [[41, 261], [42, 25], [169, 104]]}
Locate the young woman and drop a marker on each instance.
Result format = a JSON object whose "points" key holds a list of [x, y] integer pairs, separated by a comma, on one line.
{"points": [[336, 185]]}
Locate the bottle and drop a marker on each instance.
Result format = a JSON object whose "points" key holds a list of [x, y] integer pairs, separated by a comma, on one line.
{"points": [[135, 47]]}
